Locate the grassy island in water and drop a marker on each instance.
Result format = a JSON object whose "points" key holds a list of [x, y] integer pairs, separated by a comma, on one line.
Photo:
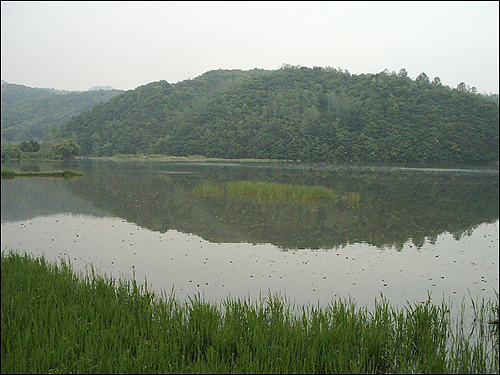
{"points": [[67, 173]]}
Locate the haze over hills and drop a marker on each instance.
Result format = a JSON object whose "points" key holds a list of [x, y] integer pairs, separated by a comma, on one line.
{"points": [[29, 113], [296, 113]]}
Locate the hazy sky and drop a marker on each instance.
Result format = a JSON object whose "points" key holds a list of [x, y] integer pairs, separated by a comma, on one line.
{"points": [[77, 45]]}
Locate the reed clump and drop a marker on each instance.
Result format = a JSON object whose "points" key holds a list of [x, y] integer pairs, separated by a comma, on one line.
{"points": [[276, 192], [56, 321], [209, 189]]}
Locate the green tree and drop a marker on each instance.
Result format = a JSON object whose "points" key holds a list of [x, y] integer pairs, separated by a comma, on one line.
{"points": [[31, 146], [35, 146], [462, 86], [403, 73], [422, 78], [436, 81], [25, 146], [67, 148]]}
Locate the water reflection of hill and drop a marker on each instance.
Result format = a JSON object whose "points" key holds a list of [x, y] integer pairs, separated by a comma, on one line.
{"points": [[395, 205], [23, 198]]}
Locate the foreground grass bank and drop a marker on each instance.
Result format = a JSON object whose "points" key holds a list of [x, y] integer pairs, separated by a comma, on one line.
{"points": [[67, 173], [56, 321]]}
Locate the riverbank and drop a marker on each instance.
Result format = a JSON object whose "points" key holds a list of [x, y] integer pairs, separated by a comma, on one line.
{"points": [[54, 320], [191, 158]]}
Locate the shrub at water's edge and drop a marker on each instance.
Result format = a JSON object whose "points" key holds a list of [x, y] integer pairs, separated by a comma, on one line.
{"points": [[66, 174], [56, 321]]}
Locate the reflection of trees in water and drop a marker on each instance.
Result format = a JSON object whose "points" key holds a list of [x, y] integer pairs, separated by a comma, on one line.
{"points": [[24, 198], [393, 207]]}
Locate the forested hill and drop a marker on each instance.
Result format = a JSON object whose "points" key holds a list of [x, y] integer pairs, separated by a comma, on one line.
{"points": [[296, 113], [29, 112]]}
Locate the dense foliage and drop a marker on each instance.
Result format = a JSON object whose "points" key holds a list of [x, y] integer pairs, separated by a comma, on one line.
{"points": [[31, 146], [296, 113], [64, 149], [29, 113]]}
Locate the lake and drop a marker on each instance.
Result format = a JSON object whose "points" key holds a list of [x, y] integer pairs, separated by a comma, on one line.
{"points": [[314, 232]]}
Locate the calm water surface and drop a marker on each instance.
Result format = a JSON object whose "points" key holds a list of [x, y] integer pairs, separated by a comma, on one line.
{"points": [[400, 231]]}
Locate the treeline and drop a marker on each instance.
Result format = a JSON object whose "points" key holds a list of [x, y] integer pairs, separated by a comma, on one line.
{"points": [[296, 113], [64, 149], [38, 113]]}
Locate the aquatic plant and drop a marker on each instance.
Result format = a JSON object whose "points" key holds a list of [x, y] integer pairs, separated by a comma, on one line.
{"points": [[354, 198], [209, 189]]}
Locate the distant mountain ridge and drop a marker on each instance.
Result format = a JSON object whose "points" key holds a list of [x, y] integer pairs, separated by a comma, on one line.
{"points": [[296, 113], [93, 88], [29, 112]]}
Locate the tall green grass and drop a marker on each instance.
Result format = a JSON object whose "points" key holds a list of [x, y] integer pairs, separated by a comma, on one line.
{"points": [[209, 189], [56, 321], [276, 192]]}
